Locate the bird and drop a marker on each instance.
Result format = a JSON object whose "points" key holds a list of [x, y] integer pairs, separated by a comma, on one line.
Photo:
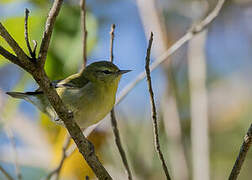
{"points": [[89, 94]]}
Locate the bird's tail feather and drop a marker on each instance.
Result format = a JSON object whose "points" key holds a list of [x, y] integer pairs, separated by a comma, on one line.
{"points": [[17, 95]]}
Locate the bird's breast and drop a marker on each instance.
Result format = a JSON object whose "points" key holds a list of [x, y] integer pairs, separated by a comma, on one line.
{"points": [[89, 104]]}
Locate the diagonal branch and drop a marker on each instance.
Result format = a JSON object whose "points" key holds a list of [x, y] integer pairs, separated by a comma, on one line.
{"points": [[6, 174], [23, 58], [247, 141], [119, 143], [84, 31], [14, 59], [113, 117], [154, 111], [183, 40], [48, 31], [112, 36]]}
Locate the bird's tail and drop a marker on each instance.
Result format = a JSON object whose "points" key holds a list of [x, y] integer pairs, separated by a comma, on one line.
{"points": [[18, 95]]}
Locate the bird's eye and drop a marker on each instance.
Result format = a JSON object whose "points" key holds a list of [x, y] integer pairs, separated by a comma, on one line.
{"points": [[107, 72]]}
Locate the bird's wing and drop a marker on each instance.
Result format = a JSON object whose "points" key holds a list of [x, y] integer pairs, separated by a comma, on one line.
{"points": [[73, 81]]}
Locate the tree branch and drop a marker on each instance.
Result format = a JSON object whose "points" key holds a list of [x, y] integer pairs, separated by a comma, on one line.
{"points": [[6, 174], [154, 112], [112, 36], [247, 141], [112, 114], [27, 36], [164, 57], [48, 31], [23, 58], [14, 59], [84, 31], [119, 144]]}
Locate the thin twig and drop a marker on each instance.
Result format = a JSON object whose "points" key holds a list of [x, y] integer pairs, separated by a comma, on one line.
{"points": [[84, 31], [154, 112], [112, 36], [48, 31], [27, 36], [57, 170], [247, 141], [119, 144], [14, 147], [113, 117], [6, 174], [164, 57]]}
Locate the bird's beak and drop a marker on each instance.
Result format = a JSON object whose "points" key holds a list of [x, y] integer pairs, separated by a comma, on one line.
{"points": [[123, 71]]}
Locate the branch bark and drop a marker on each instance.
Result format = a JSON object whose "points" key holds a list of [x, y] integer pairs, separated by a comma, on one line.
{"points": [[32, 53], [247, 141], [15, 155], [54, 11], [6, 174], [154, 111], [113, 117], [14, 59], [84, 31]]}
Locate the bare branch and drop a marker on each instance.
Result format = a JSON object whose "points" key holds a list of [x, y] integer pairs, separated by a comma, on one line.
{"points": [[57, 170], [6, 174], [113, 117], [14, 59], [27, 36], [154, 112], [119, 144], [209, 18], [48, 31], [23, 58], [164, 57], [112, 36], [247, 141], [84, 31], [13, 144]]}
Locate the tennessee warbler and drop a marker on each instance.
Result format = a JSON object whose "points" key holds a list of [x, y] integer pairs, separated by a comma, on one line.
{"points": [[89, 94]]}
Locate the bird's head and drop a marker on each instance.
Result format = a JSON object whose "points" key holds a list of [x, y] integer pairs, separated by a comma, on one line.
{"points": [[103, 72]]}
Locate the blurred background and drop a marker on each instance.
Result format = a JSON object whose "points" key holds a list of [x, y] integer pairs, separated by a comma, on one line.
{"points": [[203, 91]]}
